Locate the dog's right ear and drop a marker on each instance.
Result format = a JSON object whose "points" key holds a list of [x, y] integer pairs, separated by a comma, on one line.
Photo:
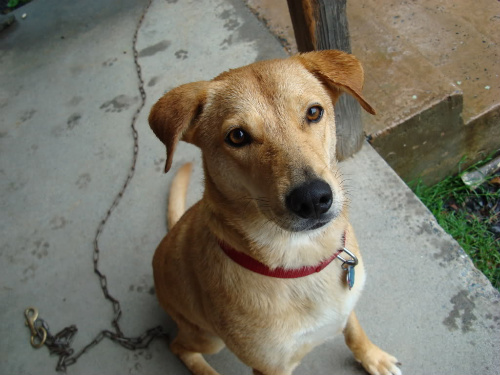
{"points": [[174, 116]]}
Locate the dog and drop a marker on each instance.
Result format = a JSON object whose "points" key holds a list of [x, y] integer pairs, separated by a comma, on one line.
{"points": [[266, 263]]}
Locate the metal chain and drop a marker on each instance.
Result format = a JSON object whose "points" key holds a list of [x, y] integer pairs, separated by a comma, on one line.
{"points": [[60, 343]]}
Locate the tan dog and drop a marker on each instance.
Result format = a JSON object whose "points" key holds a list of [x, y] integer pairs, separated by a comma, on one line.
{"points": [[257, 263]]}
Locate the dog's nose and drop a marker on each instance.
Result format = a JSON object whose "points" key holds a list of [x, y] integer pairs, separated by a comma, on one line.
{"points": [[311, 199]]}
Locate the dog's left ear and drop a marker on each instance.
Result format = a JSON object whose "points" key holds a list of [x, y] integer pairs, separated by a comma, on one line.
{"points": [[340, 71], [174, 116]]}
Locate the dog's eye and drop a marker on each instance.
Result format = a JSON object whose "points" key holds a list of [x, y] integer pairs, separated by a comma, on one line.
{"points": [[314, 113], [238, 138]]}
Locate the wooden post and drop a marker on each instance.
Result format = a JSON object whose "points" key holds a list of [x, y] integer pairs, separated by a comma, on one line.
{"points": [[319, 25]]}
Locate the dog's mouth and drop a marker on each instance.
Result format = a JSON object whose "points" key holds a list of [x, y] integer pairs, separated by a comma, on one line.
{"points": [[293, 223], [318, 225], [302, 225]]}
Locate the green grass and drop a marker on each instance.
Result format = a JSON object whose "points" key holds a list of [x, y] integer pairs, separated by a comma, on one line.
{"points": [[467, 215], [15, 3]]}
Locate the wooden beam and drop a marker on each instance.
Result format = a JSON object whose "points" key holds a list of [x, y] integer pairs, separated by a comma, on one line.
{"points": [[320, 25]]}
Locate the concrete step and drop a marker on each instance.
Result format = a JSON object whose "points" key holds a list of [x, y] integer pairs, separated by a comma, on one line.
{"points": [[459, 43], [432, 73], [458, 38]]}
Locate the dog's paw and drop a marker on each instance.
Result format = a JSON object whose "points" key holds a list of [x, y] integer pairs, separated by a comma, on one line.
{"points": [[377, 362]]}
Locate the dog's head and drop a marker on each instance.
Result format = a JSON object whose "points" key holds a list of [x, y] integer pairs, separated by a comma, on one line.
{"points": [[267, 135]]}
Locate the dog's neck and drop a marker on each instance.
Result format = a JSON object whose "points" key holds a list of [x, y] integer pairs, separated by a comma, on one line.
{"points": [[269, 244], [281, 273]]}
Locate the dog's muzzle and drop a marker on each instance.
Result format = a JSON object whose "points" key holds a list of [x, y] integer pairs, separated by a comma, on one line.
{"points": [[311, 202]]}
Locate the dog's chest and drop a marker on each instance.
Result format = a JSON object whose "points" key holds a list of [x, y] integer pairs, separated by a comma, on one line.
{"points": [[327, 316], [321, 326], [322, 323]]}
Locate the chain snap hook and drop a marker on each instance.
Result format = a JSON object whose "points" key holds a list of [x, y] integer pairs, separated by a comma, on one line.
{"points": [[38, 334]]}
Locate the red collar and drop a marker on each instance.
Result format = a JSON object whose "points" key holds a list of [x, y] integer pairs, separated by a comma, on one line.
{"points": [[254, 265]]}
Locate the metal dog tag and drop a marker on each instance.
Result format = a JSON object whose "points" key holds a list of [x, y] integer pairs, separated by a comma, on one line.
{"points": [[348, 265], [350, 276]]}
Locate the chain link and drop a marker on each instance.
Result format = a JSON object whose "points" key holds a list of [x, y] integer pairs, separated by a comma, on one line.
{"points": [[60, 343]]}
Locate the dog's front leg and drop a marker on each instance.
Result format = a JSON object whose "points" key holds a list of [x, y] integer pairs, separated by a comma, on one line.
{"points": [[373, 359], [189, 345]]}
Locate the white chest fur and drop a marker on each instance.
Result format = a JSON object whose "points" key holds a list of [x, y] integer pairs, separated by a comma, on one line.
{"points": [[329, 316]]}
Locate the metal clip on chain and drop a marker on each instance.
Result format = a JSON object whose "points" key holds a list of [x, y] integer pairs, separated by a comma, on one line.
{"points": [[38, 332]]}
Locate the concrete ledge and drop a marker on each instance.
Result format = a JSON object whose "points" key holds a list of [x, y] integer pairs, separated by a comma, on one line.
{"points": [[427, 145], [431, 145]]}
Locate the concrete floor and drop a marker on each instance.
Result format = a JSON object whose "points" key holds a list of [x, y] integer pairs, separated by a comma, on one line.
{"points": [[68, 90]]}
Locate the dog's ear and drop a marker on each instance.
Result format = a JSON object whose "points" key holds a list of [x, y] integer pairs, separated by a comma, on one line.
{"points": [[340, 71], [174, 116]]}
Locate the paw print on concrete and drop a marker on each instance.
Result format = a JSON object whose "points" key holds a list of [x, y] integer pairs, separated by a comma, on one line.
{"points": [[118, 104], [181, 54]]}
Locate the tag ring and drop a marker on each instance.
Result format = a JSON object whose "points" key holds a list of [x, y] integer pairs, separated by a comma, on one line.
{"points": [[353, 262]]}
